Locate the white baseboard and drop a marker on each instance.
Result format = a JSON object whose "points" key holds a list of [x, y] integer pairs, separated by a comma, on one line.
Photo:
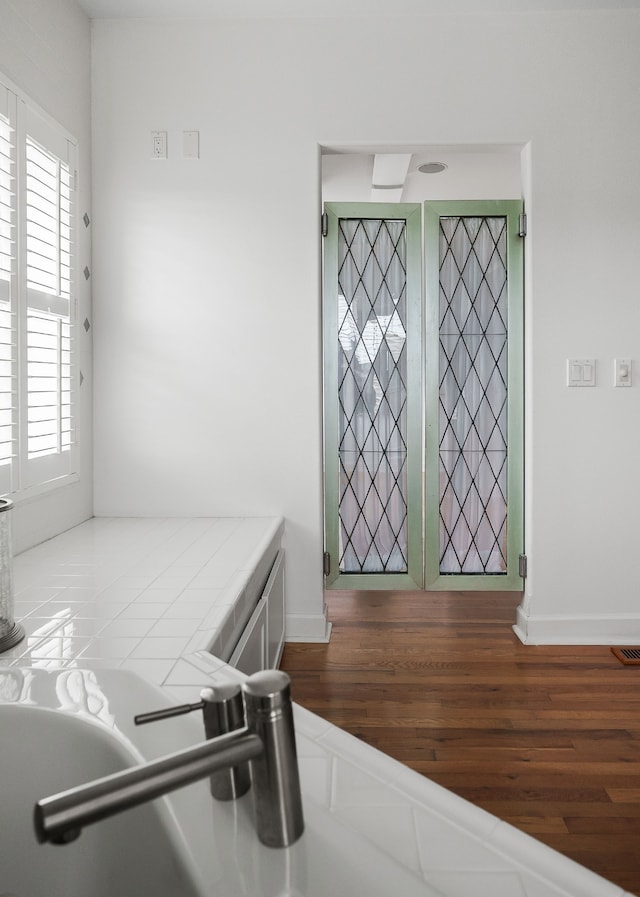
{"points": [[307, 628], [585, 629]]}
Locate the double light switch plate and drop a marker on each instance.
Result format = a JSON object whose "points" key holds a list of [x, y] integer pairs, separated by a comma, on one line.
{"points": [[581, 372]]}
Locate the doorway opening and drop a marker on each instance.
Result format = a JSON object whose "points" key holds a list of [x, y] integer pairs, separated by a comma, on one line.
{"points": [[423, 447]]}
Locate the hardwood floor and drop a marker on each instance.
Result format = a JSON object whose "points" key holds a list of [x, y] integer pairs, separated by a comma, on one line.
{"points": [[547, 738]]}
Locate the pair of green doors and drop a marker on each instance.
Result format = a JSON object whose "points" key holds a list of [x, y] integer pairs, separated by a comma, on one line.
{"points": [[423, 395]]}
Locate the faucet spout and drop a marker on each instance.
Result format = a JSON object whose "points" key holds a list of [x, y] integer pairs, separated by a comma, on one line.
{"points": [[267, 742], [61, 818]]}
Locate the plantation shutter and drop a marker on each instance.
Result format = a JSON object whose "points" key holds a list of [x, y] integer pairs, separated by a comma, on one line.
{"points": [[7, 287], [49, 174]]}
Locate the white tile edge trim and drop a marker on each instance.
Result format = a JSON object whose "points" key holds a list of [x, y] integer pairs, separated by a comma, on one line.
{"points": [[546, 864], [275, 530]]}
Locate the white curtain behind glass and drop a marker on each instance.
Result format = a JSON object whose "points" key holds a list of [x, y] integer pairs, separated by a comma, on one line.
{"points": [[473, 394], [372, 395]]}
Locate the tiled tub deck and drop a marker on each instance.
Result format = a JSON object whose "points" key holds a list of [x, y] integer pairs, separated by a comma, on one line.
{"points": [[154, 597], [141, 593]]}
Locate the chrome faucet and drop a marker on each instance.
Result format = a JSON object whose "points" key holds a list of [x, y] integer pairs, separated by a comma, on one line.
{"points": [[259, 719]]}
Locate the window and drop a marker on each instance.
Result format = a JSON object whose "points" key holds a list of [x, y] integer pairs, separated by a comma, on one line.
{"points": [[37, 303]]}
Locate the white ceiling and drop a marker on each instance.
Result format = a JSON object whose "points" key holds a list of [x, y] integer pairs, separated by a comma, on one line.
{"points": [[101, 9], [473, 172]]}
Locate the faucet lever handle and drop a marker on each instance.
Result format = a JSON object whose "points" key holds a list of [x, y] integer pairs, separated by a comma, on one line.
{"points": [[166, 713], [223, 712]]}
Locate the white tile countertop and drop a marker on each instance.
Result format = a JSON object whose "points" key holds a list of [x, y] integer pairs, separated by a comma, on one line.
{"points": [[402, 833], [139, 593]]}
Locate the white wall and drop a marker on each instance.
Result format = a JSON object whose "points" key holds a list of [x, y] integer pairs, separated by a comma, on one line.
{"points": [[45, 51], [207, 337]]}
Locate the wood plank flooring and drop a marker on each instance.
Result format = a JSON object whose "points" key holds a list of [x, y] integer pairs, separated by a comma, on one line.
{"points": [[547, 738]]}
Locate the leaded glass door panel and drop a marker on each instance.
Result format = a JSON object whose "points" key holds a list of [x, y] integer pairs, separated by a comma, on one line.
{"points": [[373, 413], [427, 384], [474, 363]]}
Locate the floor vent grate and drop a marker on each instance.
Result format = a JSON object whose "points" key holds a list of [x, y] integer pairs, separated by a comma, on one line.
{"points": [[627, 656]]}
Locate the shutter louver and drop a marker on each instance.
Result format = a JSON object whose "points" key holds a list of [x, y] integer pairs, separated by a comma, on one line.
{"points": [[7, 288], [37, 298], [7, 193], [49, 265]]}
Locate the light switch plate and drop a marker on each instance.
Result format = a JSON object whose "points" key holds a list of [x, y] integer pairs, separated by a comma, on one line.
{"points": [[622, 372], [581, 372]]}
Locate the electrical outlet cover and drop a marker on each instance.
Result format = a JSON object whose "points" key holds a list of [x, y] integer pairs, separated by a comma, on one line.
{"points": [[158, 144]]}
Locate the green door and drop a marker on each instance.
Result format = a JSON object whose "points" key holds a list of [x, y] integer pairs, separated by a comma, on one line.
{"points": [[423, 381], [372, 395], [474, 395]]}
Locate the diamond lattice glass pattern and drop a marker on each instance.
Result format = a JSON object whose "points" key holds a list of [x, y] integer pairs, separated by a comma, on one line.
{"points": [[372, 395], [473, 395]]}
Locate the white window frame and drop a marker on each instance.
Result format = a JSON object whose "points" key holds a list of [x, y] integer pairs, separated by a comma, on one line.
{"points": [[29, 472], [8, 288]]}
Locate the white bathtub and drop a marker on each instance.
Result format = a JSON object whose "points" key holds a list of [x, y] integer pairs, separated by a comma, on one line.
{"points": [[62, 728], [43, 751]]}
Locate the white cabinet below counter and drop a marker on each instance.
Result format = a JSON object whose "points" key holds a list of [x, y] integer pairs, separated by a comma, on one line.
{"points": [[260, 645]]}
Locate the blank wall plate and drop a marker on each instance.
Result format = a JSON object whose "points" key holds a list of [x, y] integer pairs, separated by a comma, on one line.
{"points": [[191, 144]]}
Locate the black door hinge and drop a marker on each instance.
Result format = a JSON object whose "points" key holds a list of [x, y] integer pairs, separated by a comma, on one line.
{"points": [[326, 563], [325, 224]]}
